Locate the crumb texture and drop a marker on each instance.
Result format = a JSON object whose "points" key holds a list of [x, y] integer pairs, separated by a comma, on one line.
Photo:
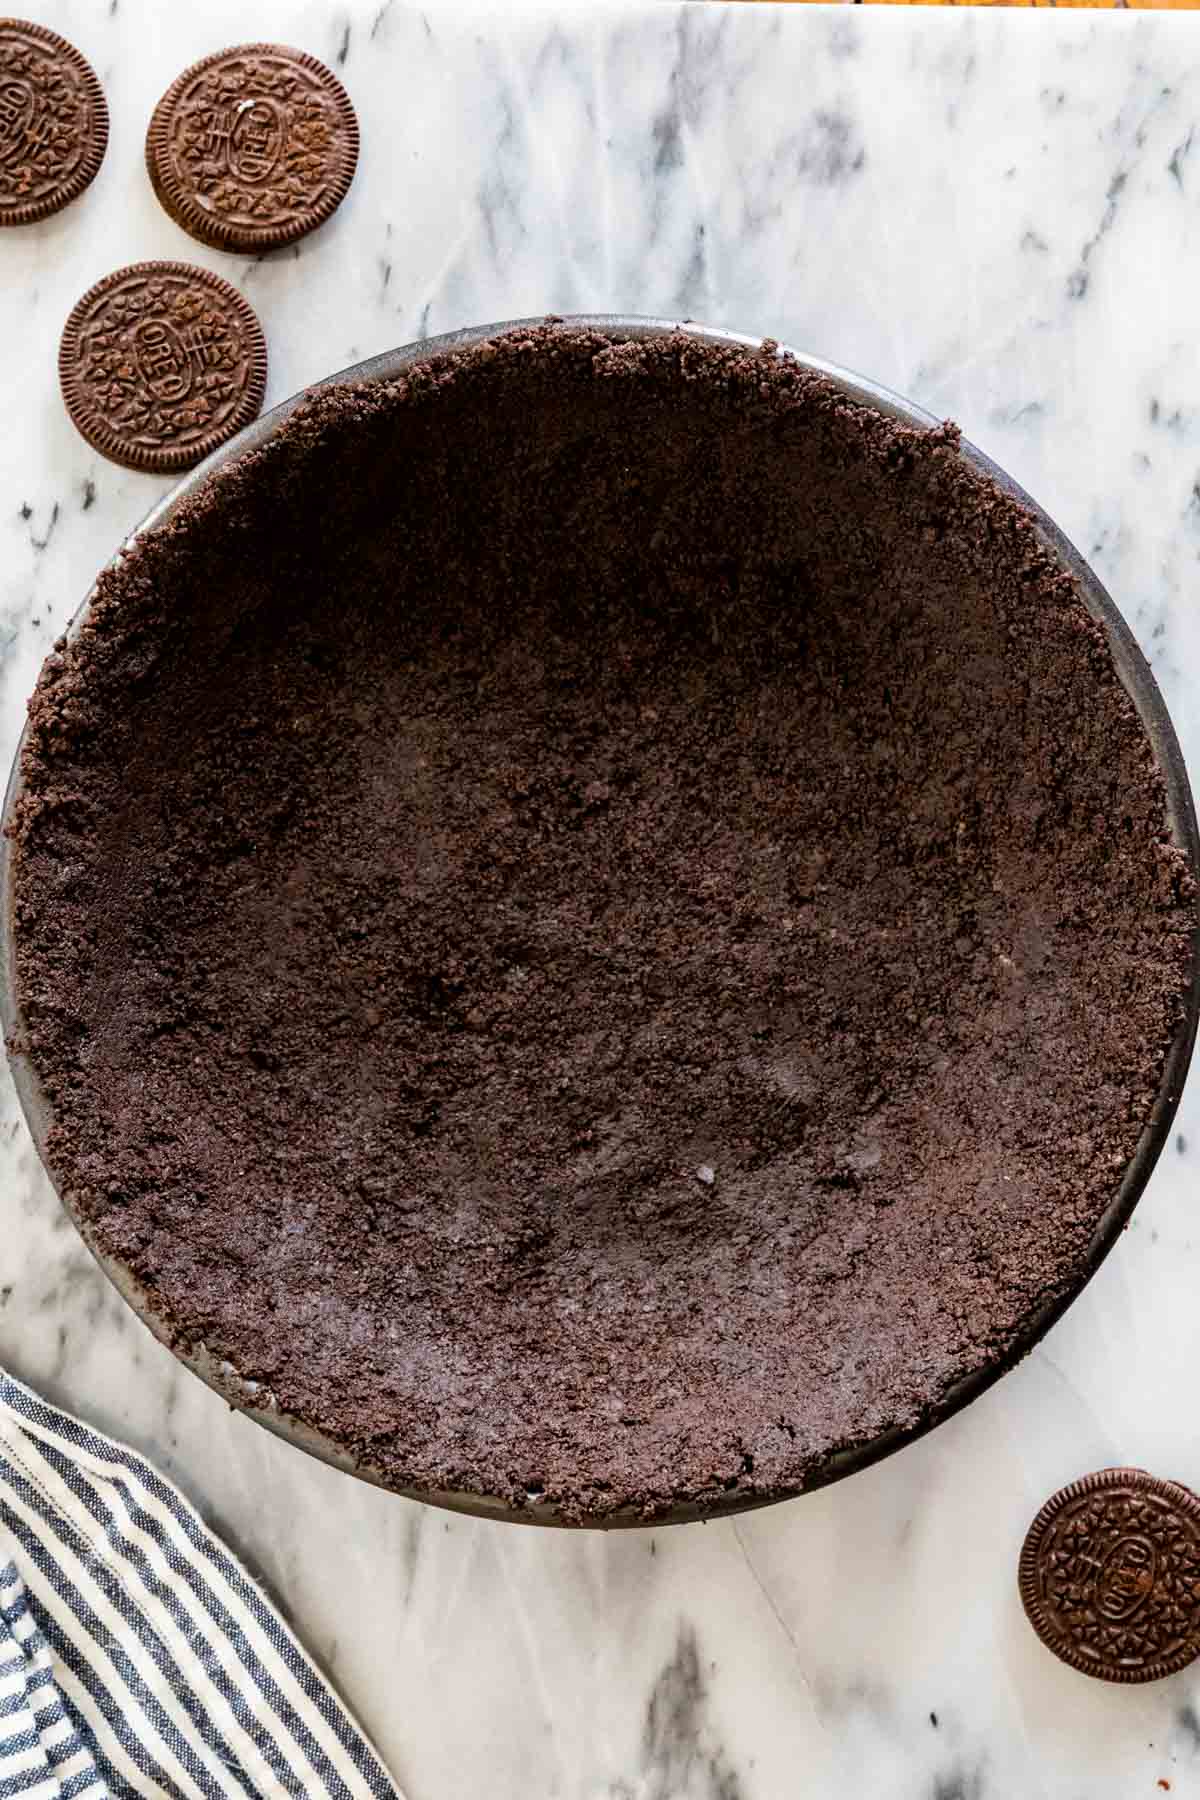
{"points": [[598, 919]]}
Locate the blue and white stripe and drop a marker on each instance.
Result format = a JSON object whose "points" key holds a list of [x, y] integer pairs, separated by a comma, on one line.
{"points": [[136, 1655]]}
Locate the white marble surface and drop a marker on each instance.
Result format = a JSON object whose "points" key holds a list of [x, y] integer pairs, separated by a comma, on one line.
{"points": [[997, 213]]}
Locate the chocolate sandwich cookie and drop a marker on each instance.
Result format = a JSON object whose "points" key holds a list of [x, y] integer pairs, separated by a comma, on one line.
{"points": [[53, 122], [253, 147], [161, 362], [1110, 1575]]}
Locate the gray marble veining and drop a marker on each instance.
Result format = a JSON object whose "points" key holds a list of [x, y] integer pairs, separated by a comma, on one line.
{"points": [[997, 213]]}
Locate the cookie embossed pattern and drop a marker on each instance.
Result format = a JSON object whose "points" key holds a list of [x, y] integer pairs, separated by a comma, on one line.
{"points": [[53, 122], [1110, 1575], [161, 362], [253, 147]]}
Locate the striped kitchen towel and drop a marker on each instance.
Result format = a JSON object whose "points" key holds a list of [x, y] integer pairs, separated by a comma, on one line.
{"points": [[136, 1656]]}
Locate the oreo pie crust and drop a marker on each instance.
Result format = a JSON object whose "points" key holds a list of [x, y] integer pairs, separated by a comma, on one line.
{"points": [[596, 919]]}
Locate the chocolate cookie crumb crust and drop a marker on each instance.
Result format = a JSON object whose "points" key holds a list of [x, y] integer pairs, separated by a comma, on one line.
{"points": [[598, 919]]}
